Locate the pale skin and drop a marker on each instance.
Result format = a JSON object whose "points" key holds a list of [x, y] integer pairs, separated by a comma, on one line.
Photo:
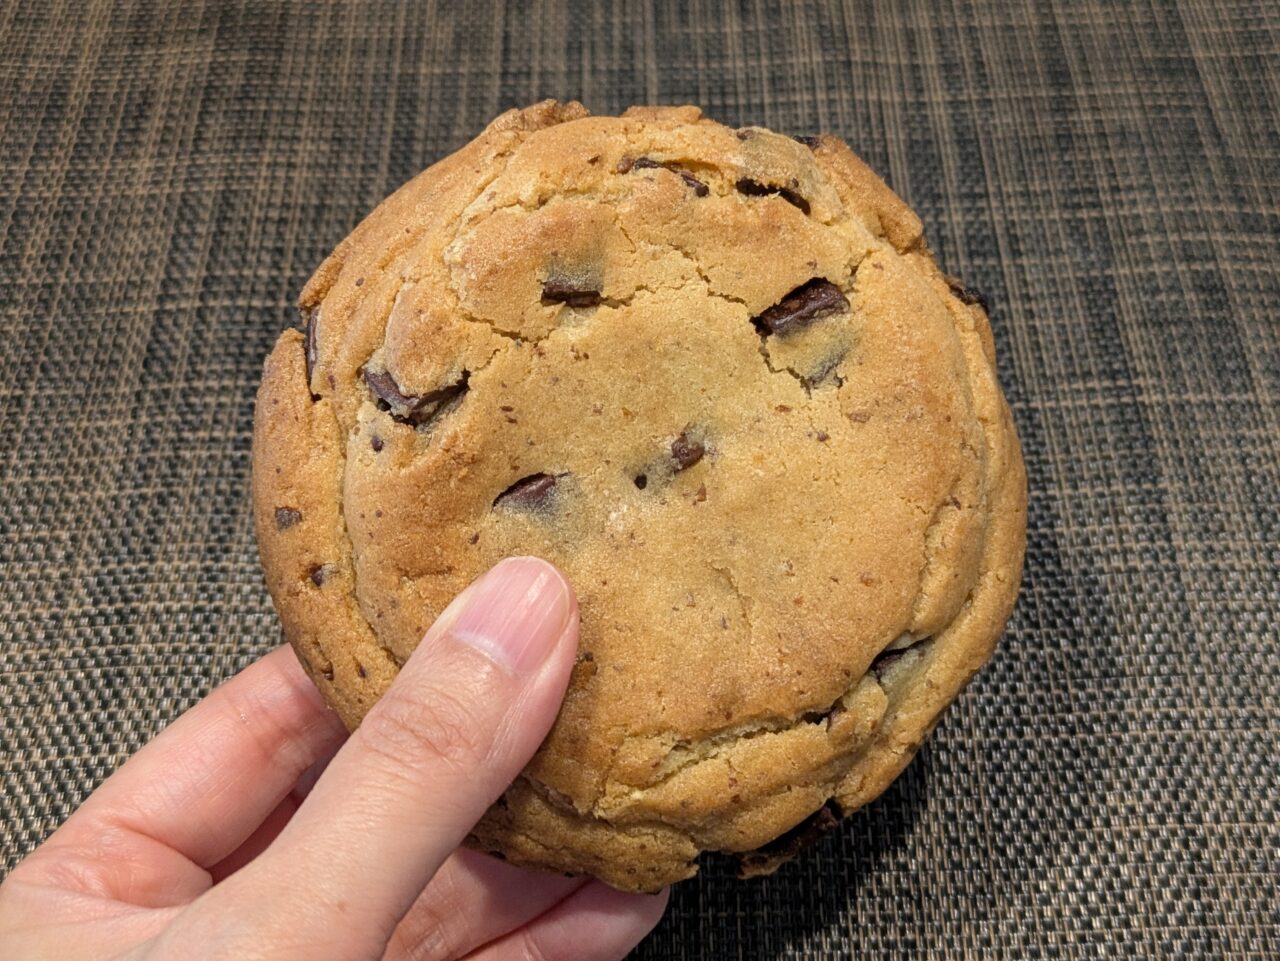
{"points": [[254, 828]]}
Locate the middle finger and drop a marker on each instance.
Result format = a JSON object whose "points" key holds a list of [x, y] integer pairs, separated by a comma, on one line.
{"points": [[472, 900]]}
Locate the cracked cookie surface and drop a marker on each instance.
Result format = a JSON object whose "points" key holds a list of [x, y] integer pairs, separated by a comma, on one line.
{"points": [[717, 378]]}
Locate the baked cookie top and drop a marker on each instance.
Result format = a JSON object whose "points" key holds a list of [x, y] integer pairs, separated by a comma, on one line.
{"points": [[716, 377]]}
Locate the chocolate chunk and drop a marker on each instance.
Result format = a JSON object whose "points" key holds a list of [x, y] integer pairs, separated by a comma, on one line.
{"points": [[376, 443], [560, 291], [969, 295], [767, 859], [887, 658], [810, 142], [286, 517], [387, 391], [686, 451], [534, 492], [699, 188], [648, 163], [416, 410], [805, 304], [320, 573], [312, 316], [754, 188], [641, 481], [884, 660]]}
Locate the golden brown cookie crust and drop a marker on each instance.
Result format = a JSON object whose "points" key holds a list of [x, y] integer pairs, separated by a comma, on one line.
{"points": [[786, 486]]}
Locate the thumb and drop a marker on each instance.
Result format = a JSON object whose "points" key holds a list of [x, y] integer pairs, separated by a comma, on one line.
{"points": [[461, 720]]}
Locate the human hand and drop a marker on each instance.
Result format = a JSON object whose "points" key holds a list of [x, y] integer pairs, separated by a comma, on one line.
{"points": [[208, 843]]}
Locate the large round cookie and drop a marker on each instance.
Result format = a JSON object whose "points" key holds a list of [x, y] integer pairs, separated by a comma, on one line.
{"points": [[717, 378]]}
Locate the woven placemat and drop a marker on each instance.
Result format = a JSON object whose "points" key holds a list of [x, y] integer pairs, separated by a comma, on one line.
{"points": [[171, 172]]}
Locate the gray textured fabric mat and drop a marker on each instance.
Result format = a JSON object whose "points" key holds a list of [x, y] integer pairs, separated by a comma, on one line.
{"points": [[170, 173]]}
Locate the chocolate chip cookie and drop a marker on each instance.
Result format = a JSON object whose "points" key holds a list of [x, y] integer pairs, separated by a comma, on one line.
{"points": [[714, 375]]}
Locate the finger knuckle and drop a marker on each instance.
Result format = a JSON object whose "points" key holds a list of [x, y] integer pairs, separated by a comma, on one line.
{"points": [[436, 727]]}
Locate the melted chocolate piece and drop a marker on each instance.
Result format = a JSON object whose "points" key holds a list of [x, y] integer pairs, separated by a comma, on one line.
{"points": [[767, 859], [319, 574], [886, 659], [687, 451], [286, 517], [559, 291], [387, 391], [969, 295], [311, 315], [699, 188], [754, 188], [416, 410], [810, 142], [648, 163], [805, 304], [534, 492]]}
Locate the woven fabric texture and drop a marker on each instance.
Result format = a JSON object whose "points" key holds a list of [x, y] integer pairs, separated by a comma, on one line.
{"points": [[171, 173]]}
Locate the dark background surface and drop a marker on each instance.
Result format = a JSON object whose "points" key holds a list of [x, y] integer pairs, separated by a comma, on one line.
{"points": [[170, 174]]}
